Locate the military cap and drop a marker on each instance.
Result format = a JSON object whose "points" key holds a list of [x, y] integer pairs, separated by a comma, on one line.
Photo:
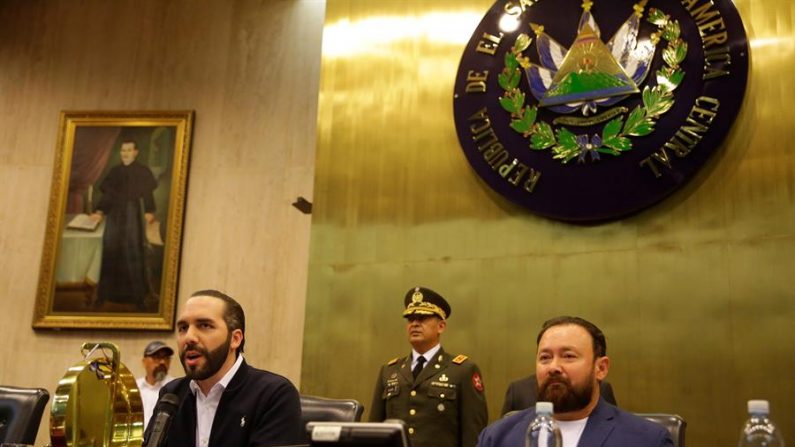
{"points": [[423, 301]]}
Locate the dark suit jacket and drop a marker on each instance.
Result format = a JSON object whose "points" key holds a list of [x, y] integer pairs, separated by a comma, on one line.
{"points": [[258, 408], [607, 426], [443, 407], [522, 394]]}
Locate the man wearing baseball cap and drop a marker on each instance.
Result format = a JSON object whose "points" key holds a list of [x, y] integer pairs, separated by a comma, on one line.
{"points": [[438, 395], [157, 359]]}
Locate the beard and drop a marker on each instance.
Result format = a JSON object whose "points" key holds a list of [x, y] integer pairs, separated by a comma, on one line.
{"points": [[564, 396], [214, 360], [160, 373]]}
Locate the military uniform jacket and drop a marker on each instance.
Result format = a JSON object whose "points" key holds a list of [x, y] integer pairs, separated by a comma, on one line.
{"points": [[444, 407]]}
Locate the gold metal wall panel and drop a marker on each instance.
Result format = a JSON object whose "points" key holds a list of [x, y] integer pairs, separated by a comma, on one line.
{"points": [[696, 295]]}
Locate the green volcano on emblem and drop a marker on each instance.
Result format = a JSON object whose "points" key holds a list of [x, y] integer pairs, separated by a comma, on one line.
{"points": [[588, 72]]}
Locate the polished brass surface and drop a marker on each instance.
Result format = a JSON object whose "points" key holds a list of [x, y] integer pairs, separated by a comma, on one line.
{"points": [[696, 294], [97, 402]]}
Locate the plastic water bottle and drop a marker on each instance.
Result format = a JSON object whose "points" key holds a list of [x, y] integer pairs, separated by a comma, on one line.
{"points": [[543, 431], [759, 430]]}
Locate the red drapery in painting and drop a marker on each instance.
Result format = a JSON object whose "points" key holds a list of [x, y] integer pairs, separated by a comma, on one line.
{"points": [[92, 149]]}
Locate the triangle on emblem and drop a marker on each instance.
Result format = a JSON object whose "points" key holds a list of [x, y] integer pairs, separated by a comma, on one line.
{"points": [[588, 72]]}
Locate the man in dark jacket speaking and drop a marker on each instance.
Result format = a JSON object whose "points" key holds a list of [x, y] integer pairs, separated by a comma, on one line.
{"points": [[223, 400]]}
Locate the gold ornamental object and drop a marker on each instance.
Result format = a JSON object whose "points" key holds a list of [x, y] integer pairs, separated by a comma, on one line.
{"points": [[97, 402]]}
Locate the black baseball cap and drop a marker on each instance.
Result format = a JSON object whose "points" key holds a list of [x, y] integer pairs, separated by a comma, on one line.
{"points": [[157, 346]]}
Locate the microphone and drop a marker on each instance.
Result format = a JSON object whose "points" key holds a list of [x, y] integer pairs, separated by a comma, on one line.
{"points": [[164, 411]]}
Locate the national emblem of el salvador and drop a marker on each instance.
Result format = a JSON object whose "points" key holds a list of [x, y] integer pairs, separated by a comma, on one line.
{"points": [[589, 110]]}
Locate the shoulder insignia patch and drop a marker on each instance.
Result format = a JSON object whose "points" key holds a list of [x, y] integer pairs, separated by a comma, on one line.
{"points": [[477, 382], [460, 358], [393, 361]]}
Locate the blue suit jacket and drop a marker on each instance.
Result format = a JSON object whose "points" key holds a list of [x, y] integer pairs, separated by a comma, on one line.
{"points": [[607, 426]]}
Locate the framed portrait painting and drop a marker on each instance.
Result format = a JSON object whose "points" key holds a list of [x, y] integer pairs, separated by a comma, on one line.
{"points": [[114, 226]]}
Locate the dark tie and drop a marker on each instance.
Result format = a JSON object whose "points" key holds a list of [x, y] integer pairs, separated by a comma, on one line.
{"points": [[418, 369]]}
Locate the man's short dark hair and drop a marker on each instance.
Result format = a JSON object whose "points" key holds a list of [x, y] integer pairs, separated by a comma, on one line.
{"points": [[599, 342], [129, 140], [233, 314]]}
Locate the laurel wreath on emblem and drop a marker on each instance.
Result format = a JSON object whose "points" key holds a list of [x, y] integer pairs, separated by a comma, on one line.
{"points": [[614, 138]]}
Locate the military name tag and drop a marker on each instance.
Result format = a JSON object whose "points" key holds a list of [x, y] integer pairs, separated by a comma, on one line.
{"points": [[392, 389]]}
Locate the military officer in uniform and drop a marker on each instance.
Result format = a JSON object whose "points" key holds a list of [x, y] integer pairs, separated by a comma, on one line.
{"points": [[438, 395]]}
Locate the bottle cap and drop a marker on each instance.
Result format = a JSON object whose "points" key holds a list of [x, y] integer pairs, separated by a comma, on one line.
{"points": [[544, 407], [758, 407]]}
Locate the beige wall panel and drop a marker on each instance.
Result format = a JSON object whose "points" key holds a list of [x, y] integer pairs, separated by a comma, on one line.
{"points": [[250, 70], [695, 294]]}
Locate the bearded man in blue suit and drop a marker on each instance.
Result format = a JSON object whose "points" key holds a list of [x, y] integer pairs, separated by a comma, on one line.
{"points": [[570, 363]]}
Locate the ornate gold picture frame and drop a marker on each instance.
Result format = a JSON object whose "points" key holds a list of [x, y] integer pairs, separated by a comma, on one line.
{"points": [[114, 226]]}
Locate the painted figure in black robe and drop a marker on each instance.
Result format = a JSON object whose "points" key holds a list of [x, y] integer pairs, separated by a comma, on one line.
{"points": [[126, 195]]}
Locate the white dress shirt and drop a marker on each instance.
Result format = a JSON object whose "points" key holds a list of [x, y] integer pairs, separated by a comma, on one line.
{"points": [[428, 356], [207, 405], [149, 395]]}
